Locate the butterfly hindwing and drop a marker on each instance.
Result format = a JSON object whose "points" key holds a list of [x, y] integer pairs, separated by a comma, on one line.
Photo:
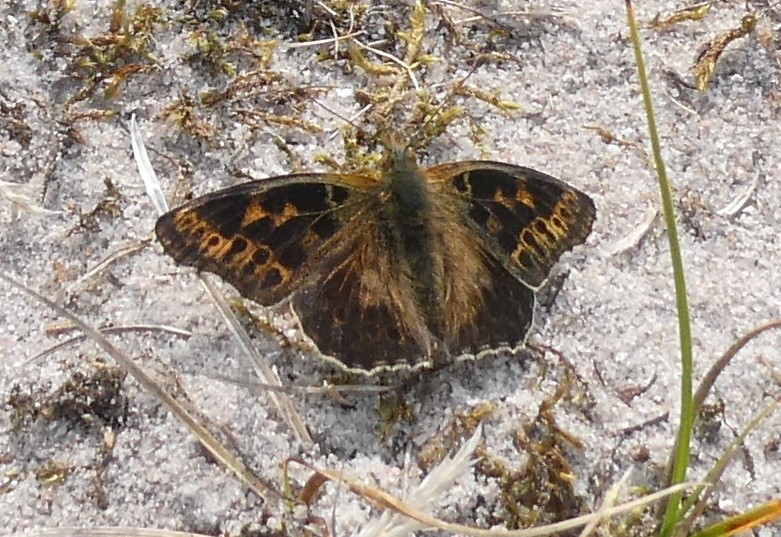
{"points": [[361, 310], [505, 319], [264, 237]]}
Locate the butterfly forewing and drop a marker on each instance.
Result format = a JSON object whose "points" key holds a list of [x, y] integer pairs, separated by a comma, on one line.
{"points": [[264, 237], [529, 217]]}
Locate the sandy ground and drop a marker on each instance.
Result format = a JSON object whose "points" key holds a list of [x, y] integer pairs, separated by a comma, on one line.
{"points": [[613, 318]]}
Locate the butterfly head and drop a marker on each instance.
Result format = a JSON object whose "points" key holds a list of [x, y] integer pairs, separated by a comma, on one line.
{"points": [[398, 158]]}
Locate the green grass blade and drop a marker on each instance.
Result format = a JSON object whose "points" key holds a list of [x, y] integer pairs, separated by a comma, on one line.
{"points": [[742, 523], [696, 502], [672, 513]]}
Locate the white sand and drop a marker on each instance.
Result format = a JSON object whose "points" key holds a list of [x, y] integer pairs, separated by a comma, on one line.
{"points": [[615, 313]]}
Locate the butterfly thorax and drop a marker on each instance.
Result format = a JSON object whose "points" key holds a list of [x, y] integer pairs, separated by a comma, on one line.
{"points": [[407, 231]]}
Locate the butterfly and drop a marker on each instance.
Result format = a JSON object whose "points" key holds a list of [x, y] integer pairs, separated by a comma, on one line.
{"points": [[406, 270]]}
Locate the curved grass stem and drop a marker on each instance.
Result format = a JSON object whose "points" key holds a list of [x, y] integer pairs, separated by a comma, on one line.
{"points": [[673, 511]]}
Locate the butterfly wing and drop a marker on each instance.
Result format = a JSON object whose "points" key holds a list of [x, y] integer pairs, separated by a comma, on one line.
{"points": [[362, 310], [526, 217], [502, 321], [265, 237]]}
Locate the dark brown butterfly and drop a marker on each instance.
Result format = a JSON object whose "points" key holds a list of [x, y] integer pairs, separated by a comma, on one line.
{"points": [[403, 271]]}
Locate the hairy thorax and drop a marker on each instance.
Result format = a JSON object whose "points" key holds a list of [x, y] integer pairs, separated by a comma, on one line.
{"points": [[434, 270]]}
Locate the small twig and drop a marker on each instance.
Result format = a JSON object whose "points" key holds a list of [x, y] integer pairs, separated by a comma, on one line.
{"points": [[110, 330], [527, 13], [392, 58], [12, 192], [633, 238], [326, 390], [335, 40], [736, 205], [109, 260], [610, 500]]}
